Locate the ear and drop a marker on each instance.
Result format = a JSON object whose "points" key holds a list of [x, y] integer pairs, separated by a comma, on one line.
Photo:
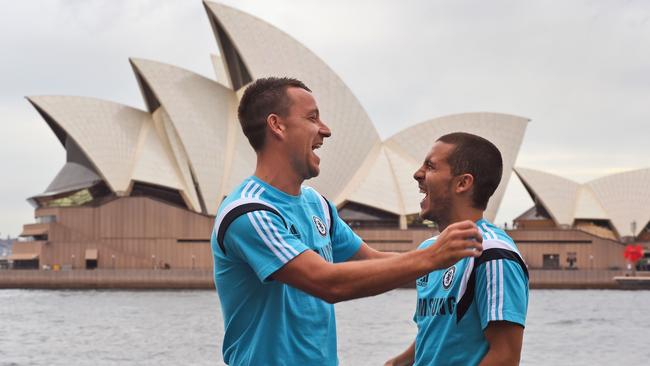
{"points": [[464, 184], [275, 125]]}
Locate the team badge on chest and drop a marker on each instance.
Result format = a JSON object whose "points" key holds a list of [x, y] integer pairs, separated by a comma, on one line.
{"points": [[448, 277], [319, 225]]}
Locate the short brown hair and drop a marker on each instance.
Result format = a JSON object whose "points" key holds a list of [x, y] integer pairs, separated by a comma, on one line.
{"points": [[479, 157], [263, 97]]}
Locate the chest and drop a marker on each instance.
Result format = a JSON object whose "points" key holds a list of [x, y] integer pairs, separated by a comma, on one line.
{"points": [[438, 292], [308, 223]]}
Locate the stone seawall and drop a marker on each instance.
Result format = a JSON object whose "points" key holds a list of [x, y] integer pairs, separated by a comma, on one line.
{"points": [[202, 279], [573, 279], [107, 279]]}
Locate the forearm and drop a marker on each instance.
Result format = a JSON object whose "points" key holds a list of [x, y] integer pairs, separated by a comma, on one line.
{"points": [[367, 252], [343, 281], [405, 358], [356, 279]]}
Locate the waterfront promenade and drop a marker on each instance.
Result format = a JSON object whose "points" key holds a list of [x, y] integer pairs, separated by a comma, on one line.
{"points": [[202, 279]]}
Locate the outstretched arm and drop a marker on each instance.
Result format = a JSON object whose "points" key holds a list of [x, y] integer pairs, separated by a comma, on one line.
{"points": [[405, 358], [344, 281], [367, 252]]}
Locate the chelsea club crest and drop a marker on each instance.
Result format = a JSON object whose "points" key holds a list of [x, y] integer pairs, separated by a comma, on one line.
{"points": [[448, 277], [319, 225]]}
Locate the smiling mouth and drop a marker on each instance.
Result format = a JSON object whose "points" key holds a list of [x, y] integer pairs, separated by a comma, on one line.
{"points": [[422, 190], [315, 147]]}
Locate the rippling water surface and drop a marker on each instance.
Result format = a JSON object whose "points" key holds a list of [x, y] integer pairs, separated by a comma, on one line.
{"points": [[185, 328]]}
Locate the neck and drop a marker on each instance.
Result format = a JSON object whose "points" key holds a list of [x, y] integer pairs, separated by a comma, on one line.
{"points": [[461, 214], [277, 172]]}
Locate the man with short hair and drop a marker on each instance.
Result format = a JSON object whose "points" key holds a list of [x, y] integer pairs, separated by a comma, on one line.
{"points": [[282, 256], [474, 312]]}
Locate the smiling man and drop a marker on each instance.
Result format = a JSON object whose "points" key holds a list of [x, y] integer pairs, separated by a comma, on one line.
{"points": [[282, 255], [474, 312]]}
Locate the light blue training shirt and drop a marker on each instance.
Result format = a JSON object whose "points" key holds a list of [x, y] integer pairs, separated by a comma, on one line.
{"points": [[454, 306], [267, 322]]}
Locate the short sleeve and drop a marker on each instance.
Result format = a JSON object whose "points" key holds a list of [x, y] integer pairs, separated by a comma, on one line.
{"points": [[501, 292], [345, 243], [260, 239]]}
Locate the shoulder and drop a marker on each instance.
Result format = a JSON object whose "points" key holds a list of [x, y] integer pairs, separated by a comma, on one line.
{"points": [[232, 210], [427, 243], [310, 194], [242, 190], [494, 236]]}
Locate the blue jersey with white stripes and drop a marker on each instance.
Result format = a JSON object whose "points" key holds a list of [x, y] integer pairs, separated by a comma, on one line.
{"points": [[455, 305], [267, 322]]}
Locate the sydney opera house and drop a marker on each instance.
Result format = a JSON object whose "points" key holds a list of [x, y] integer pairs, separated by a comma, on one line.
{"points": [[573, 225], [140, 188]]}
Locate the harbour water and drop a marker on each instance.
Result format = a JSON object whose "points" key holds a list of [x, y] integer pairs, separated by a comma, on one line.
{"points": [[565, 327]]}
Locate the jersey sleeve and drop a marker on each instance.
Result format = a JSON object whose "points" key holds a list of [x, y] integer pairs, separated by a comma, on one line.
{"points": [[345, 243], [260, 239], [501, 292]]}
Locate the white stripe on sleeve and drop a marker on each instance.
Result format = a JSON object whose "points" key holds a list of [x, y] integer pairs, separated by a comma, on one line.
{"points": [[500, 289], [487, 228], [279, 238], [488, 287], [494, 290], [265, 239], [259, 193], [246, 187], [269, 233]]}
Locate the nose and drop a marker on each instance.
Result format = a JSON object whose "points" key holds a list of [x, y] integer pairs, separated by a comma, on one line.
{"points": [[324, 130], [418, 174]]}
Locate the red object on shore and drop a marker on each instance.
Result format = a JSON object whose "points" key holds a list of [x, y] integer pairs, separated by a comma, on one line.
{"points": [[633, 252]]}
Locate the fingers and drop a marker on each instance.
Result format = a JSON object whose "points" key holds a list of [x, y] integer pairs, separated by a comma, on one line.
{"points": [[466, 234], [468, 253], [467, 245]]}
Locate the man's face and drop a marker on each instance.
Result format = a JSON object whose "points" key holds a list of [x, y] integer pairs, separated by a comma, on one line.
{"points": [[305, 132], [434, 180]]}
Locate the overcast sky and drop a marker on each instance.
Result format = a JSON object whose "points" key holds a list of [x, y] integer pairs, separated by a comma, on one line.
{"points": [[580, 70]]}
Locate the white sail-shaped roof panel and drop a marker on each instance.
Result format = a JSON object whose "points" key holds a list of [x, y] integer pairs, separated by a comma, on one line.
{"points": [[404, 167], [220, 72], [379, 188], [168, 134], [625, 198], [106, 132], [588, 206], [558, 195], [200, 110], [503, 130], [153, 161], [264, 50]]}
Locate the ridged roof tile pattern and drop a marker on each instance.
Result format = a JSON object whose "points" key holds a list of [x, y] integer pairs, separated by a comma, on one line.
{"points": [[121, 142], [154, 163], [107, 133], [267, 51], [200, 110], [191, 140], [557, 194], [626, 199], [620, 198], [179, 156]]}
